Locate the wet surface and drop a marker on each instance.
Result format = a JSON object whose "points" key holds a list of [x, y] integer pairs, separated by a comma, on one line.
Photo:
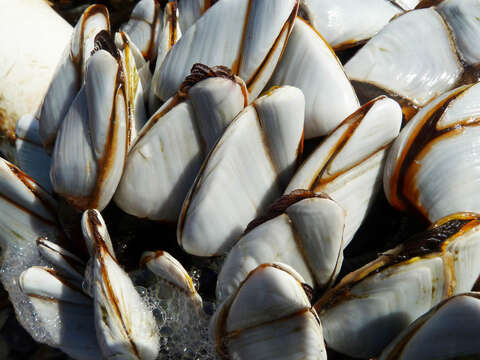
{"points": [[383, 229]]}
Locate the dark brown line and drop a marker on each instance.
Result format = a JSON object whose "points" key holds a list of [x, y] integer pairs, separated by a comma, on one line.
{"points": [[77, 264], [221, 345], [451, 39], [412, 248], [131, 91], [106, 162], [198, 180], [237, 63], [394, 3], [266, 144], [153, 120], [423, 134], [237, 333], [173, 23], [22, 177], [353, 122], [366, 90], [325, 181], [423, 4], [154, 25], [207, 5], [111, 295], [282, 204], [100, 252], [286, 27], [91, 11], [299, 242], [93, 224], [64, 280]]}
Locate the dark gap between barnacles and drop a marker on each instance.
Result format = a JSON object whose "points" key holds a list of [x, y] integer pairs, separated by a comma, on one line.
{"points": [[308, 291], [424, 243], [104, 41]]}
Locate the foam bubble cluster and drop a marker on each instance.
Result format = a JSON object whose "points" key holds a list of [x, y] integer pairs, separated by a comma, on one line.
{"points": [[182, 326], [16, 259]]}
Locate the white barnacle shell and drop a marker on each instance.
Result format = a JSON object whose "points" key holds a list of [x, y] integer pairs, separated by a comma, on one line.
{"points": [[30, 156], [311, 65], [269, 316], [407, 4], [191, 10], [246, 171], [171, 274], [433, 167], [302, 230], [34, 37], [169, 35], [89, 153], [125, 327], [143, 27], [462, 17], [447, 331], [27, 211], [70, 72], [245, 35], [348, 164], [63, 310], [413, 57], [62, 259], [372, 305], [171, 147], [346, 23]]}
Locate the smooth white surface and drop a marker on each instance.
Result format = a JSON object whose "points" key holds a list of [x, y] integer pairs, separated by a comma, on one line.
{"points": [[464, 109], [191, 10], [31, 157], [125, 327], [222, 48], [270, 316], [299, 337], [70, 72], [230, 43], [398, 148], [166, 267], [273, 241], [34, 38], [448, 331], [142, 26], [351, 173], [62, 259], [89, 153], [64, 312], [239, 178], [170, 153], [381, 306], [281, 117], [413, 56], [236, 184], [166, 39], [462, 16], [72, 154], [346, 22], [310, 64], [320, 224], [449, 174]]}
